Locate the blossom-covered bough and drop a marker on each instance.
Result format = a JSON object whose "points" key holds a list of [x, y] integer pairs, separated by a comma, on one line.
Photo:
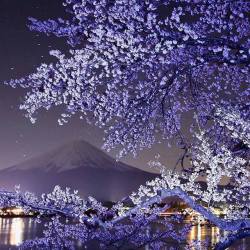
{"points": [[69, 219], [138, 69]]}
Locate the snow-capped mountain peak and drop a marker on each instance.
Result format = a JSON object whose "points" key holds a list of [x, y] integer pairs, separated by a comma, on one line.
{"points": [[78, 165]]}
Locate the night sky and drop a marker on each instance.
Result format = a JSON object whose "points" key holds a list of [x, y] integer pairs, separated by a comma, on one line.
{"points": [[21, 51]]}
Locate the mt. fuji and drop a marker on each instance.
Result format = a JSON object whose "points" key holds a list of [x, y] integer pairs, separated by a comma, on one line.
{"points": [[77, 165]]}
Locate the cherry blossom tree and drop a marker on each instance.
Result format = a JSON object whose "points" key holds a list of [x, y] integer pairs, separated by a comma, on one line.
{"points": [[137, 69]]}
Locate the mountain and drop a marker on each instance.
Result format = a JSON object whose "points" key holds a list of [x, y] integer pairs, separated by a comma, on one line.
{"points": [[77, 165]]}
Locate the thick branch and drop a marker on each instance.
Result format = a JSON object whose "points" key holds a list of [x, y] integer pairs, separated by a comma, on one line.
{"points": [[231, 238], [225, 224]]}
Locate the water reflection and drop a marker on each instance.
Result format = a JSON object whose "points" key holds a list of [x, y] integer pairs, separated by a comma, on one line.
{"points": [[14, 231], [204, 232], [212, 235]]}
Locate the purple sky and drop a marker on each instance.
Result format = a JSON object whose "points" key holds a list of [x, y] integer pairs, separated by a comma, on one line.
{"points": [[20, 52]]}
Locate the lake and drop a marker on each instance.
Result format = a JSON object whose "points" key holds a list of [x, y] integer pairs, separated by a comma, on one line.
{"points": [[14, 231]]}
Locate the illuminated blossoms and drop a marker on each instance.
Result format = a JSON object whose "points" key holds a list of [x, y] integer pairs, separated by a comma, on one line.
{"points": [[140, 68]]}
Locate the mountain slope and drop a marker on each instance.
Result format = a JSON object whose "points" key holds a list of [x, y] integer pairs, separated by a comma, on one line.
{"points": [[78, 165]]}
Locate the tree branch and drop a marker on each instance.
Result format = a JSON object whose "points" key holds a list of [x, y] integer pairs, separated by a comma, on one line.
{"points": [[225, 224]]}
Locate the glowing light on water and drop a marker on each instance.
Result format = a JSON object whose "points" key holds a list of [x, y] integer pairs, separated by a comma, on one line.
{"points": [[215, 232], [16, 232], [12, 231], [195, 235], [199, 232]]}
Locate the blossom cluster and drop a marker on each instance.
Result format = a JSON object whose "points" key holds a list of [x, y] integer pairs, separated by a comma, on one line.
{"points": [[140, 67]]}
